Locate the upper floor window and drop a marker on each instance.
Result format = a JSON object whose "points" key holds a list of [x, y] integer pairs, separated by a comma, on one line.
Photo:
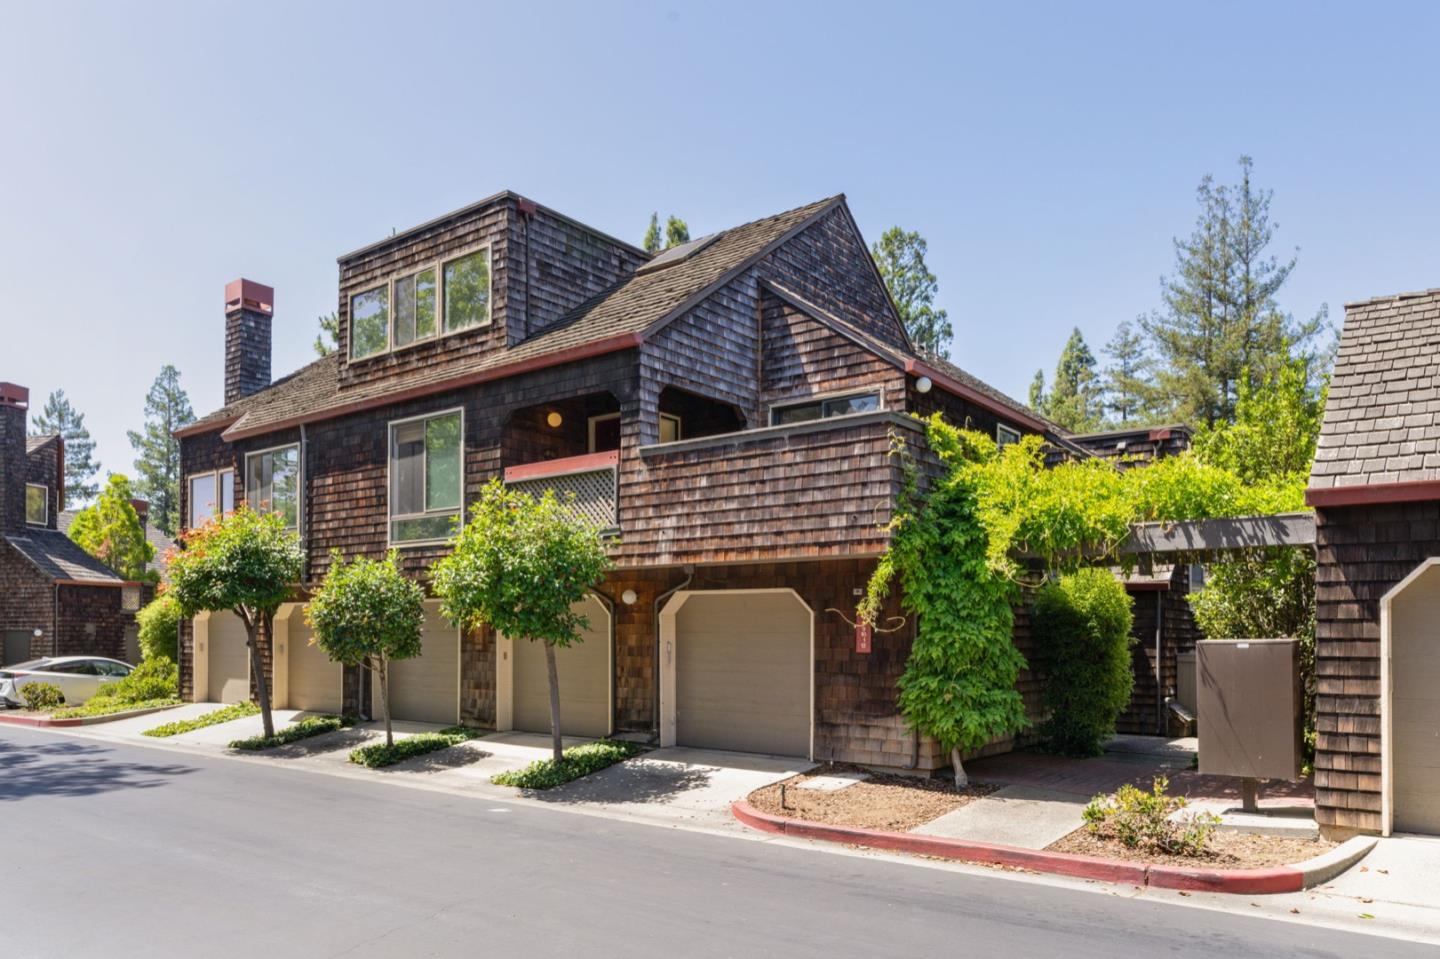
{"points": [[272, 482], [211, 495], [415, 307], [37, 504], [1005, 435], [370, 322], [824, 409], [467, 291], [426, 477]]}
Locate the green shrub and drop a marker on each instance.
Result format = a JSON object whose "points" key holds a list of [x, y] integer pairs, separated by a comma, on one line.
{"points": [[152, 679], [42, 696], [159, 624], [106, 707], [304, 729], [578, 761], [382, 754], [1141, 820], [238, 711], [1082, 632]]}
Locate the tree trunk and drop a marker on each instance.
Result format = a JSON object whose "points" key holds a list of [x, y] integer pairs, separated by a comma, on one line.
{"points": [[385, 699], [257, 670], [554, 674], [961, 780]]}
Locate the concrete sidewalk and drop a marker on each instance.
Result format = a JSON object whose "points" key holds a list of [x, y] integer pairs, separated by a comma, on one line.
{"points": [[1026, 816]]}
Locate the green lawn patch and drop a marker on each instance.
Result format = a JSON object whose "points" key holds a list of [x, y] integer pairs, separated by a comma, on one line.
{"points": [[577, 761], [107, 707], [238, 711], [304, 729], [378, 754]]}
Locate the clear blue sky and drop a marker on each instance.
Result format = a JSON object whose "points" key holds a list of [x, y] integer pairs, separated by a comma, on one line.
{"points": [[1049, 153]]}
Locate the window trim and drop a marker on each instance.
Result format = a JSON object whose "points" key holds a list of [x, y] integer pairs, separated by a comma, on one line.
{"points": [[45, 520], [219, 493], [679, 425], [878, 392], [390, 541], [1003, 428], [438, 265], [590, 428], [299, 479]]}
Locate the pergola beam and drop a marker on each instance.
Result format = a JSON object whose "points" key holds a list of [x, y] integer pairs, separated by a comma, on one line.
{"points": [[1221, 535]]}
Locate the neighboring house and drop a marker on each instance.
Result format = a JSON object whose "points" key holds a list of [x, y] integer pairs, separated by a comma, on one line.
{"points": [[1139, 445], [1375, 487], [55, 599], [726, 407]]}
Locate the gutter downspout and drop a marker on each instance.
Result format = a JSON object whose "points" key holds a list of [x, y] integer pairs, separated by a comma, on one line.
{"points": [[655, 624]]}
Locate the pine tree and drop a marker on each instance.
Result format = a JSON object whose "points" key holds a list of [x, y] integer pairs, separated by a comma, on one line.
{"points": [[157, 451], [900, 258], [677, 231], [1074, 400], [651, 243], [327, 341], [1221, 322], [1037, 391], [59, 417], [1126, 390]]}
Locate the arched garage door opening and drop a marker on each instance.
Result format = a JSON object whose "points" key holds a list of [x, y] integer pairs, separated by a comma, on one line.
{"points": [[1410, 702], [426, 689], [737, 672], [226, 658], [586, 670]]}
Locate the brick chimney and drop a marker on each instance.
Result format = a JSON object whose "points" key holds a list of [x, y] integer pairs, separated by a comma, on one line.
{"points": [[14, 407], [248, 308]]}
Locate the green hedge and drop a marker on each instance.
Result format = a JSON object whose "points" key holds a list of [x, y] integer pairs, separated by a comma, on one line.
{"points": [[159, 624], [578, 761], [304, 729], [152, 679], [106, 707], [1082, 627], [238, 711], [378, 754]]}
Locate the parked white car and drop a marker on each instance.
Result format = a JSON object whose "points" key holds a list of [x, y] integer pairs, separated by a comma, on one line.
{"points": [[78, 677]]}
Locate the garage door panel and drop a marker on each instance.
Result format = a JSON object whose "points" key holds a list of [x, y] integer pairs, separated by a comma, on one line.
{"points": [[584, 673], [1415, 705], [426, 689], [317, 683], [229, 659], [743, 673]]}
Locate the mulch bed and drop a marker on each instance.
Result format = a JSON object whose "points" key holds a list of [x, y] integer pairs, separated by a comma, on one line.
{"points": [[1228, 850], [893, 803]]}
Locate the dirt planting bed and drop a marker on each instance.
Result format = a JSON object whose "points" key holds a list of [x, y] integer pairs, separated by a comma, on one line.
{"points": [[894, 803], [1227, 850]]}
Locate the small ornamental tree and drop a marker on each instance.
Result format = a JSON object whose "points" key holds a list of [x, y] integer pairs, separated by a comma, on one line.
{"points": [[366, 613], [519, 566], [110, 530], [245, 562], [1081, 626]]}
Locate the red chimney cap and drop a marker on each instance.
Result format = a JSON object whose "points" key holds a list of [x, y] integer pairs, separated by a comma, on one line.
{"points": [[243, 294], [12, 394], [141, 506]]}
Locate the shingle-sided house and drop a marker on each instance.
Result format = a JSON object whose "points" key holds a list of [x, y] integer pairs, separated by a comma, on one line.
{"points": [[55, 599], [725, 407], [1375, 487]]}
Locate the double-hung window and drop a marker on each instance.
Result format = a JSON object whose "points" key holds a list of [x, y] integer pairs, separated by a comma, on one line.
{"points": [[415, 307], [272, 483], [824, 409], [37, 504], [426, 478], [210, 495]]}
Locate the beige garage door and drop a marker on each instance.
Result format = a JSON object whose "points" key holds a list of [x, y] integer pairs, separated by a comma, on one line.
{"points": [[584, 670], [229, 663], [426, 689], [1415, 704], [316, 681], [743, 673]]}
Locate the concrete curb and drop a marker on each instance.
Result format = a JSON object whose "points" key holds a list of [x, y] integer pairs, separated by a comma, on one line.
{"points": [[46, 722], [1291, 878]]}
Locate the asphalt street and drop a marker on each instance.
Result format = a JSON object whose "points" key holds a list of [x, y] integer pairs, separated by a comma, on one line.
{"points": [[121, 851]]}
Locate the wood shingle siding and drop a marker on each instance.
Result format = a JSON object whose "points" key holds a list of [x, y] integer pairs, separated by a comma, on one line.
{"points": [[802, 356]]}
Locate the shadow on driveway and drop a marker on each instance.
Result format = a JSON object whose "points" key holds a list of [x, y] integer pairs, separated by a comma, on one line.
{"points": [[631, 781], [73, 769]]}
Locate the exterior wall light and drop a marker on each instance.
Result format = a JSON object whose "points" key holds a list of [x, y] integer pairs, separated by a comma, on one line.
{"points": [[628, 597], [923, 384], [554, 419]]}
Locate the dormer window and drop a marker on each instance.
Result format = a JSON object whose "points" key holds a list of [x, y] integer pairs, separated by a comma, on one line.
{"points": [[370, 322], [467, 291], [37, 504], [415, 307]]}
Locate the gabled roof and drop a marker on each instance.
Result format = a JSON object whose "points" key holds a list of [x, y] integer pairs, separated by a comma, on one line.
{"points": [[33, 443], [1382, 416], [56, 556]]}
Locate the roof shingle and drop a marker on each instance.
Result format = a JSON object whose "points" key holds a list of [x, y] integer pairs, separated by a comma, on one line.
{"points": [[58, 557]]}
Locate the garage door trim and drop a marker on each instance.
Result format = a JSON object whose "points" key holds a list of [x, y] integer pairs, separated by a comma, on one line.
{"points": [[1387, 693], [667, 640]]}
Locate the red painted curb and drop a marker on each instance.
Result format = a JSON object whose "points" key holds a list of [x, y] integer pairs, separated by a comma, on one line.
{"points": [[41, 721], [1247, 881]]}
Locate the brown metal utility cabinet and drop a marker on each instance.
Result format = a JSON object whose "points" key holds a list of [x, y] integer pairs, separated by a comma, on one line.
{"points": [[1249, 705]]}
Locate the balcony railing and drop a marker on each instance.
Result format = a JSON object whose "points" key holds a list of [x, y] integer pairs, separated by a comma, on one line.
{"points": [[591, 479]]}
